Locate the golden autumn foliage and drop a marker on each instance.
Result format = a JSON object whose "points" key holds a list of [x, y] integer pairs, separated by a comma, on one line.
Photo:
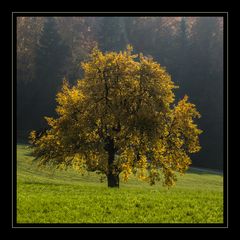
{"points": [[120, 118]]}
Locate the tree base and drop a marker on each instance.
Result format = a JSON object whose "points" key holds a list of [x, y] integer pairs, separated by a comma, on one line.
{"points": [[113, 180]]}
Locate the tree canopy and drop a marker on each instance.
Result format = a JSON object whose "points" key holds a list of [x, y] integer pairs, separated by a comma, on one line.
{"points": [[121, 118]]}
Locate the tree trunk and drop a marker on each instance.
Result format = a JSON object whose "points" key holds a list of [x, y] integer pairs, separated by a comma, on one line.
{"points": [[112, 176], [113, 180]]}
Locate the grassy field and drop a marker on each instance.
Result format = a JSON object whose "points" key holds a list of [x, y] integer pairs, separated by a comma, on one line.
{"points": [[47, 196]]}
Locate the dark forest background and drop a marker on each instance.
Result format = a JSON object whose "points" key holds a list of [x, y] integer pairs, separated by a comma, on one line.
{"points": [[191, 48]]}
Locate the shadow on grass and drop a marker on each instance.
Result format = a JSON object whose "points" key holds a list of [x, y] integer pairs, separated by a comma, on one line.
{"points": [[45, 183], [200, 171]]}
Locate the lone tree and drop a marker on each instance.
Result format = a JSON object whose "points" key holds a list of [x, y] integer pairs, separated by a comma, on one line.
{"points": [[120, 118]]}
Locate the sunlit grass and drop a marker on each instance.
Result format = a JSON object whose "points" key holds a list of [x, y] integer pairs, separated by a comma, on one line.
{"points": [[47, 196]]}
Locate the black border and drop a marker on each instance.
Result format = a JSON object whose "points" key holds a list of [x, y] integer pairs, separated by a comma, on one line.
{"points": [[14, 224]]}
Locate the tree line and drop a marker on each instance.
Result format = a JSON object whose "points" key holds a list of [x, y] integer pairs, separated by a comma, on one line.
{"points": [[191, 48]]}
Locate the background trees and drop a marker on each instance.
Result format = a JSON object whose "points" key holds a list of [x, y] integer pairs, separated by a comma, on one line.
{"points": [[50, 60], [191, 48]]}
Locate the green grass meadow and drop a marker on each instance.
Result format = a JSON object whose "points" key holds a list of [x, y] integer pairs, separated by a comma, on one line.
{"points": [[48, 196]]}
